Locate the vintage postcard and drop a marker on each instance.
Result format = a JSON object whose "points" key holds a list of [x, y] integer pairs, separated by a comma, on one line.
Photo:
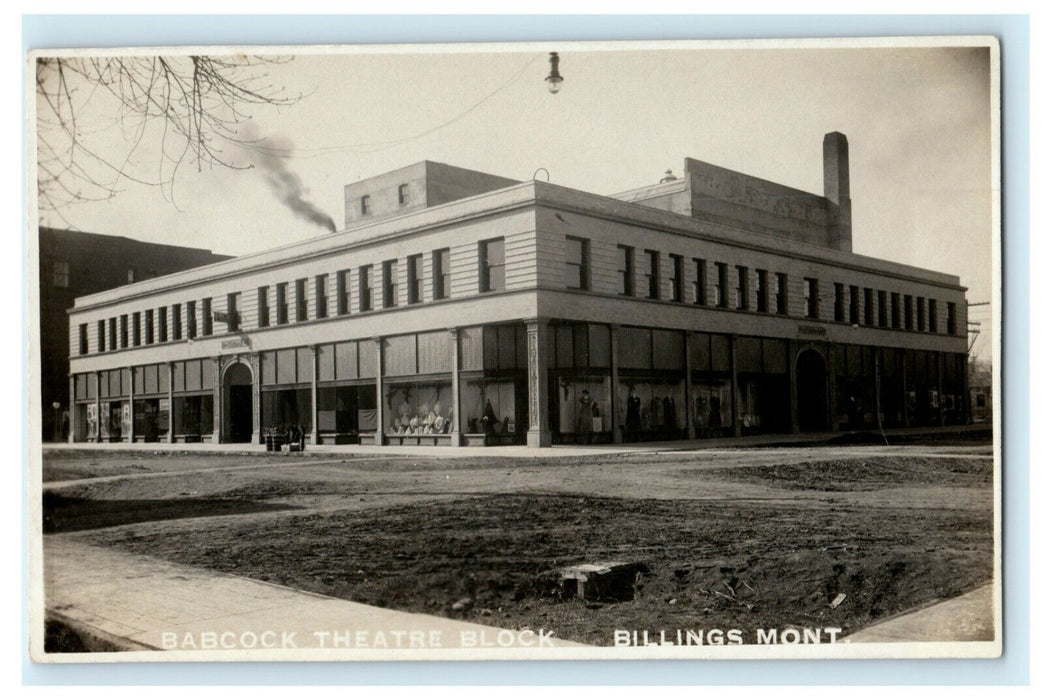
{"points": [[658, 350]]}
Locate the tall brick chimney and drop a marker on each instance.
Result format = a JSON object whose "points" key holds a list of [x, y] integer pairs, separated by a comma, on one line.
{"points": [[835, 189]]}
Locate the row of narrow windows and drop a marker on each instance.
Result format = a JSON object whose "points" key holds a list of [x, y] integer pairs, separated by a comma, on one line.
{"points": [[761, 291], [332, 295]]}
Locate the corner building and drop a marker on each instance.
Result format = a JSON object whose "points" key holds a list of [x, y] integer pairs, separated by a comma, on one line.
{"points": [[461, 308]]}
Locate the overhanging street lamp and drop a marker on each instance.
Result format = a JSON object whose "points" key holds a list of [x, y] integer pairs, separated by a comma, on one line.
{"points": [[554, 78]]}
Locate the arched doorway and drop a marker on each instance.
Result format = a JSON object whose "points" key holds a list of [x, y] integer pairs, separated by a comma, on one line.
{"points": [[238, 413], [813, 404]]}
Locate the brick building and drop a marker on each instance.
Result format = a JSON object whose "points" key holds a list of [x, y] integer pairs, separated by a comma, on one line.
{"points": [[73, 264], [458, 307]]}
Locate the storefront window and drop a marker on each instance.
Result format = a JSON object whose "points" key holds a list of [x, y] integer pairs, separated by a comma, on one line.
{"points": [[150, 422], [584, 408], [494, 400], [418, 408], [651, 409], [282, 408], [711, 400], [193, 416]]}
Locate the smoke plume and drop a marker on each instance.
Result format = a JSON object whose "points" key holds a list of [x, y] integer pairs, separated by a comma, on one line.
{"points": [[271, 156]]}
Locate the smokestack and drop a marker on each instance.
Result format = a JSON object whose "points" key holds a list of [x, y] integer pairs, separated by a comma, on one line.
{"points": [[835, 189]]}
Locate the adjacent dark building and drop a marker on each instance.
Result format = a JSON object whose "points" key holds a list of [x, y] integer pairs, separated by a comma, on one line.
{"points": [[72, 264]]}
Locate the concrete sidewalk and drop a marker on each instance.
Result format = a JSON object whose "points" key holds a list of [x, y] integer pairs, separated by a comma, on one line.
{"points": [[966, 618], [750, 441], [129, 602]]}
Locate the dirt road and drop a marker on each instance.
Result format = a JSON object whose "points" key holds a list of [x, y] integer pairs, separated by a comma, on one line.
{"points": [[732, 539]]}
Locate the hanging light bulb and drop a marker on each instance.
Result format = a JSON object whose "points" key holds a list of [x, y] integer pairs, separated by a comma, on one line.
{"points": [[554, 78]]}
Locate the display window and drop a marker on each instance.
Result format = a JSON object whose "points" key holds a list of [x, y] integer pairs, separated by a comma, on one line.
{"points": [[651, 409], [584, 409], [711, 406], [345, 411], [418, 408], [193, 417]]}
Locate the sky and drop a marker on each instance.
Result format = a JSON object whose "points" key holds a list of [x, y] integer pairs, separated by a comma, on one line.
{"points": [[918, 122]]}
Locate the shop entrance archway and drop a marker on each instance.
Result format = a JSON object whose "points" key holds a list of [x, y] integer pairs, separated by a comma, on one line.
{"points": [[238, 404], [813, 404]]}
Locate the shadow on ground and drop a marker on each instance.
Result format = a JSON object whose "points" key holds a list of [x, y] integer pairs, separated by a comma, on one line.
{"points": [[65, 514]]}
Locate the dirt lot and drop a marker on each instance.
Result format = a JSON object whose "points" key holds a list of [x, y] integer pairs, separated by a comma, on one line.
{"points": [[730, 539]]}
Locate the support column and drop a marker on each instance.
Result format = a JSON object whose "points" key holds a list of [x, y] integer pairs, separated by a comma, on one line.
{"points": [[831, 352], [617, 409], [130, 404], [219, 408], [170, 402], [878, 418], [378, 436], [455, 432], [690, 429], [539, 434], [903, 403], [97, 407], [314, 435], [736, 432], [72, 410], [792, 387], [940, 409], [255, 397]]}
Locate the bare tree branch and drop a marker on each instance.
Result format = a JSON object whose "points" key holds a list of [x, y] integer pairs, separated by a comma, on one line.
{"points": [[138, 118]]}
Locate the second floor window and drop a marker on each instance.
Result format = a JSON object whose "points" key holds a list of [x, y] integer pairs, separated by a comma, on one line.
{"points": [[320, 296], [742, 290], [896, 311], [414, 279], [391, 283], [365, 288], [440, 274], [839, 302], [491, 265], [721, 289], [208, 318], [364, 205], [578, 263], [301, 299], [762, 290], [652, 274], [677, 281], [699, 291], [83, 338], [124, 342], [161, 323], [176, 316], [781, 293], [232, 301], [344, 293], [951, 318], [282, 304], [625, 270], [853, 305], [190, 313], [263, 319], [404, 195], [868, 307], [136, 329], [882, 309], [811, 297]]}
